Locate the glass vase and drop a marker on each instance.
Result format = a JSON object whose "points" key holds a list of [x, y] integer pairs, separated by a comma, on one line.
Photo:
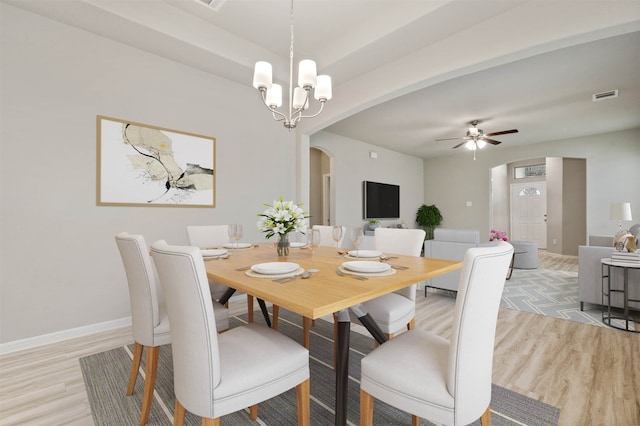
{"points": [[283, 245]]}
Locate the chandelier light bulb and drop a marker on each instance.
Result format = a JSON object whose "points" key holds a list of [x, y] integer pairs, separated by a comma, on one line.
{"points": [[300, 98], [323, 90], [274, 96], [307, 74], [262, 75]]}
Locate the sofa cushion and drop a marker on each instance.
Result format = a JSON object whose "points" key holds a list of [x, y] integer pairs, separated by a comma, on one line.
{"points": [[457, 235], [601, 240], [450, 244]]}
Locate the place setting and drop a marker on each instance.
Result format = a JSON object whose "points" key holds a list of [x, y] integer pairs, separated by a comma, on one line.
{"points": [[277, 271], [214, 254], [366, 268]]}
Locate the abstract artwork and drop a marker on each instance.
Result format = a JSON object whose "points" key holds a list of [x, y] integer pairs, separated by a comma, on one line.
{"points": [[142, 165]]}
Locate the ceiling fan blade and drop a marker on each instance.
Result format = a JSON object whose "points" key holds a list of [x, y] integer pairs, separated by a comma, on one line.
{"points": [[449, 139], [504, 132], [459, 145], [491, 141]]}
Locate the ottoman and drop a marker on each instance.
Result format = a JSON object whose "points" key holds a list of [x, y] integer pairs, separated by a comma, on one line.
{"points": [[525, 254]]}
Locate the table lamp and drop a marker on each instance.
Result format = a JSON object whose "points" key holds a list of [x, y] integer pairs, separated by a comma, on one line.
{"points": [[620, 212]]}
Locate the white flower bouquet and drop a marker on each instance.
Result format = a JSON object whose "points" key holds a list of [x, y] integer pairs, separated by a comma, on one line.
{"points": [[282, 217]]}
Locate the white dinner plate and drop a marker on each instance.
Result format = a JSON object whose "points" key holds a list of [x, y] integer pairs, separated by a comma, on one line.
{"points": [[366, 266], [237, 245], [294, 244], [275, 268], [365, 253], [213, 252]]}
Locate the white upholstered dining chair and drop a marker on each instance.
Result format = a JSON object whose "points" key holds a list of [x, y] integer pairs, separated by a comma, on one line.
{"points": [[209, 236], [393, 312], [149, 320], [396, 311], [217, 374], [449, 381]]}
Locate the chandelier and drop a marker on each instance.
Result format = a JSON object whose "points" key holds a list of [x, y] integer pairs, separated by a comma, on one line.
{"points": [[298, 97]]}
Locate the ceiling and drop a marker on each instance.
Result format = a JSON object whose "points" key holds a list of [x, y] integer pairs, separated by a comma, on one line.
{"points": [[406, 72]]}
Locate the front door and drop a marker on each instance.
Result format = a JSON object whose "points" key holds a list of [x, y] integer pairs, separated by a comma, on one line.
{"points": [[528, 212]]}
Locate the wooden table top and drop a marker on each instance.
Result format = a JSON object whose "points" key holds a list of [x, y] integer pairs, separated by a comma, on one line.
{"points": [[325, 292]]}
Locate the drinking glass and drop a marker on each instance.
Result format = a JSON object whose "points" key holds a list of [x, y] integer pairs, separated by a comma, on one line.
{"points": [[356, 238], [238, 235], [336, 234], [313, 240], [231, 232]]}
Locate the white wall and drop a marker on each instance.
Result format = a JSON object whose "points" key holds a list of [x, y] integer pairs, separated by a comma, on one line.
{"points": [[613, 175], [352, 165], [59, 265]]}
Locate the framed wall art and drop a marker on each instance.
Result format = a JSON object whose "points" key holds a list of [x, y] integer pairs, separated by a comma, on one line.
{"points": [[142, 165]]}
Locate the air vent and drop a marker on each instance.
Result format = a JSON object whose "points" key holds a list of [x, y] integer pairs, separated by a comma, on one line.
{"points": [[605, 95], [213, 4]]}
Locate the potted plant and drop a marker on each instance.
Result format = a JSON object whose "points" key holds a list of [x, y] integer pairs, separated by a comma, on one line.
{"points": [[373, 224], [428, 217]]}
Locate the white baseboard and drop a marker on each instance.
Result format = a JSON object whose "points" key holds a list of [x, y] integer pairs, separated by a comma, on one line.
{"points": [[59, 336]]}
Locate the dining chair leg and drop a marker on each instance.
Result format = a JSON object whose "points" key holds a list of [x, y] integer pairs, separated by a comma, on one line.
{"points": [[412, 324], [366, 409], [485, 419], [313, 323], [178, 414], [415, 420], [210, 422], [135, 366], [149, 382], [250, 307], [306, 330], [253, 412], [303, 391]]}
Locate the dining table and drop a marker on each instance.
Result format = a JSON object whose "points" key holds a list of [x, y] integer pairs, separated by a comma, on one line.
{"points": [[331, 290]]}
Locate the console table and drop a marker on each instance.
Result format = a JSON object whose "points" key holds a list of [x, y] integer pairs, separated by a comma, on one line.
{"points": [[607, 292]]}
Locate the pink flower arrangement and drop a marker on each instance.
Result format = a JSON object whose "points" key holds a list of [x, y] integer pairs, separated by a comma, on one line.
{"points": [[497, 235]]}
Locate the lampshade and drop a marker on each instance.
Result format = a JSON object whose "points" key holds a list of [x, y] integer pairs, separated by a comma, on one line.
{"points": [[620, 211]]}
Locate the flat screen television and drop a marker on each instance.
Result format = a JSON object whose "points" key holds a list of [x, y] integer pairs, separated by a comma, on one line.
{"points": [[380, 200]]}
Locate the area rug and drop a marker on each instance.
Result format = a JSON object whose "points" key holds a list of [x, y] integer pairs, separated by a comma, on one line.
{"points": [[550, 293], [106, 375]]}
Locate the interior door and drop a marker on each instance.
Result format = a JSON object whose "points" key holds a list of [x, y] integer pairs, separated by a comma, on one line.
{"points": [[326, 199], [528, 212]]}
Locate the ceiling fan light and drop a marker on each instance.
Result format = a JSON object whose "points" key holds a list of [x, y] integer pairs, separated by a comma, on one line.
{"points": [[471, 145], [473, 131], [481, 144]]}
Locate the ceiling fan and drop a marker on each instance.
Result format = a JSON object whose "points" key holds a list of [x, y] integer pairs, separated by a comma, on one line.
{"points": [[477, 139]]}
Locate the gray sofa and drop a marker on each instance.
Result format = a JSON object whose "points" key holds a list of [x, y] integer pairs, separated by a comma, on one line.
{"points": [[450, 244], [590, 274]]}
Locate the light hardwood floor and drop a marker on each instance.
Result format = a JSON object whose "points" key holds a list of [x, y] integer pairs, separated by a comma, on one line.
{"points": [[591, 373]]}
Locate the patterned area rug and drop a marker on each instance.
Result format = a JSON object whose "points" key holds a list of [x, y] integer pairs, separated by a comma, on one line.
{"points": [[547, 292], [106, 375]]}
